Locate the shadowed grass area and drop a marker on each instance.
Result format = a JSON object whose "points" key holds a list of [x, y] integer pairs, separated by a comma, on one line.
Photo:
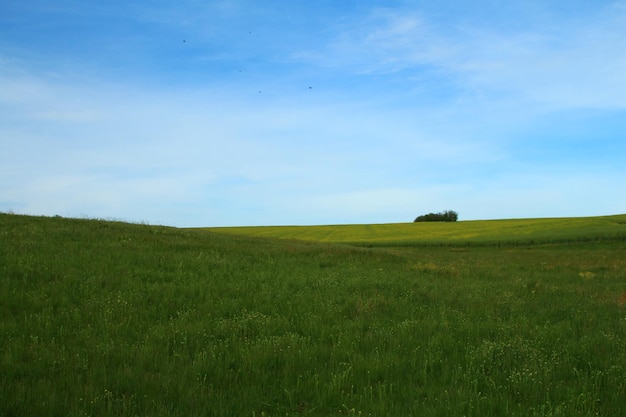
{"points": [[105, 318], [445, 233]]}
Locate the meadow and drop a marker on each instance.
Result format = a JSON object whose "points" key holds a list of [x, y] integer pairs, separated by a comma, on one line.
{"points": [[483, 232], [493, 318]]}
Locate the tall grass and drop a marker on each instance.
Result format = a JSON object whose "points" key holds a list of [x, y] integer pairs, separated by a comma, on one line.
{"points": [[105, 318]]}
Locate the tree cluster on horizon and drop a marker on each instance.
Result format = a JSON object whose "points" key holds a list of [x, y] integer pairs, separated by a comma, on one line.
{"points": [[445, 216]]}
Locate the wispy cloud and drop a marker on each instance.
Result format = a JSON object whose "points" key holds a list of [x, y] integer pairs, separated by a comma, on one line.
{"points": [[578, 62]]}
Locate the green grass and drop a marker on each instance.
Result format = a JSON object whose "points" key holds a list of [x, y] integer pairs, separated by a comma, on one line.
{"points": [[520, 231], [104, 318]]}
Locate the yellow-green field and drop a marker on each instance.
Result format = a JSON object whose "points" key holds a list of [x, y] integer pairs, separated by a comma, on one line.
{"points": [[465, 232]]}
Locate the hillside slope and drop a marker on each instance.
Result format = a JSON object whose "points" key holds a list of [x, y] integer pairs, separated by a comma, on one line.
{"points": [[106, 318]]}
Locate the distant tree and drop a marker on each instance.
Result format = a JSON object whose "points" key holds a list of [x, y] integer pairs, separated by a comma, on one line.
{"points": [[445, 216], [450, 216]]}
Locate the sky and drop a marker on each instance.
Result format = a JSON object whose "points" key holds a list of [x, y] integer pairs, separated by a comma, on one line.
{"points": [[290, 112]]}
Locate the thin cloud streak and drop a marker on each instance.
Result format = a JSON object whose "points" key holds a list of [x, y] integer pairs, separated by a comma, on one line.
{"points": [[556, 66]]}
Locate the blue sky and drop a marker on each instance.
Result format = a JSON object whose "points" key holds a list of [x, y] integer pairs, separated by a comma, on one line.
{"points": [[219, 113]]}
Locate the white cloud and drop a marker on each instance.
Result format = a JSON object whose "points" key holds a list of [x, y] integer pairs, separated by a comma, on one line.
{"points": [[205, 158]]}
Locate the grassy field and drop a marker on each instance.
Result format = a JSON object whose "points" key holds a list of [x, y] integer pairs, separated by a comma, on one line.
{"points": [[524, 318], [488, 232]]}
